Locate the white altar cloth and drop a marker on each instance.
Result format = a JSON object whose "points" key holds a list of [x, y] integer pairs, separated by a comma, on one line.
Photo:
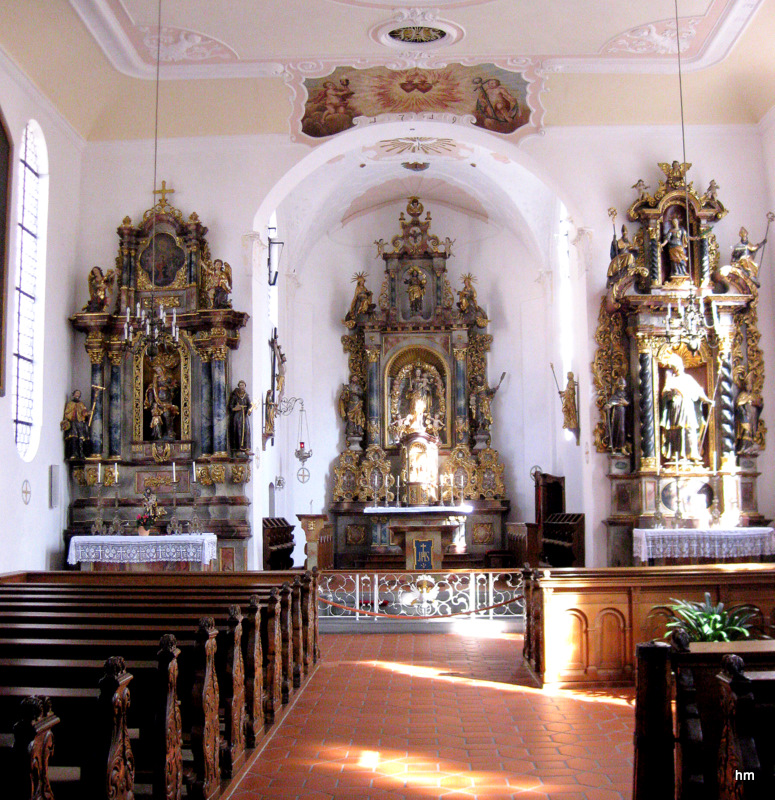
{"points": [[195, 547], [714, 543]]}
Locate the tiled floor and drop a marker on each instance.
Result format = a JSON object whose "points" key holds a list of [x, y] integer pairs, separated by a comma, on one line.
{"points": [[426, 716]]}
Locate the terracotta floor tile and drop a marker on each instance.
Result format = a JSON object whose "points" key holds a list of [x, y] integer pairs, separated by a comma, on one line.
{"points": [[426, 716]]}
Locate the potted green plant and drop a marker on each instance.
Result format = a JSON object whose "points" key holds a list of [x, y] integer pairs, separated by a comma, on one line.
{"points": [[706, 622]]}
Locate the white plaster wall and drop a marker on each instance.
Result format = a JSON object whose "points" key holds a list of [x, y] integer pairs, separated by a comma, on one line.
{"points": [[31, 535]]}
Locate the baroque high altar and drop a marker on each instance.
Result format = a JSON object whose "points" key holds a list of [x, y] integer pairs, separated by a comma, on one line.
{"points": [[417, 481], [162, 429], [678, 371]]}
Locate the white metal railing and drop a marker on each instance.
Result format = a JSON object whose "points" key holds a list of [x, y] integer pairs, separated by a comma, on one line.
{"points": [[465, 594]]}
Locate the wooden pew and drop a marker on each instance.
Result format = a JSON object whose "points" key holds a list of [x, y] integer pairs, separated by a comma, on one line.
{"points": [[309, 583], [746, 758], [679, 689], [57, 605], [304, 612], [93, 715], [25, 763], [53, 619]]}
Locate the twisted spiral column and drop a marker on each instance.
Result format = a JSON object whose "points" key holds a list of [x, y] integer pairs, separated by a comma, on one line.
{"points": [[646, 405], [727, 409]]}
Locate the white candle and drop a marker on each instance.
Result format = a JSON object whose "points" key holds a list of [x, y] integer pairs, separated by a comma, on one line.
{"points": [[99, 472], [138, 308], [126, 330], [173, 472], [117, 472], [669, 309], [193, 471], [127, 313]]}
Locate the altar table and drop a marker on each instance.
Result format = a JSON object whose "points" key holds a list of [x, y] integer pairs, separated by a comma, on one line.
{"points": [[141, 553], [689, 545]]}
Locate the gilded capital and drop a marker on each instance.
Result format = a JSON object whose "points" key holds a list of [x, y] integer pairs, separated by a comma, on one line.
{"points": [[460, 353], [95, 347], [372, 353], [115, 357], [205, 354], [220, 353]]}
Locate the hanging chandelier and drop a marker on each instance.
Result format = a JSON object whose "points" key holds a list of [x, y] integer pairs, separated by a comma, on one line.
{"points": [[151, 329]]}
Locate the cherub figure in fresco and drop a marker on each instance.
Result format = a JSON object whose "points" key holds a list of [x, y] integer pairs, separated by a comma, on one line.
{"points": [[495, 100], [334, 98]]}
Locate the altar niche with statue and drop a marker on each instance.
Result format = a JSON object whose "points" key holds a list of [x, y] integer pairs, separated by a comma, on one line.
{"points": [[679, 373], [160, 330], [418, 483]]}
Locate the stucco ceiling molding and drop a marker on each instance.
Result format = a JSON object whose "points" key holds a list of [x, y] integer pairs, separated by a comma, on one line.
{"points": [[705, 41], [184, 46], [658, 38], [419, 19], [119, 39], [186, 54], [525, 68], [416, 4]]}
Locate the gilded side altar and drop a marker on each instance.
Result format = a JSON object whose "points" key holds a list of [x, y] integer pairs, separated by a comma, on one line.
{"points": [[678, 371], [159, 332]]}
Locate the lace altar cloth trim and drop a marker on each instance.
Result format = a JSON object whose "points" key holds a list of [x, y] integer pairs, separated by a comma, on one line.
{"points": [[196, 547], [696, 543]]}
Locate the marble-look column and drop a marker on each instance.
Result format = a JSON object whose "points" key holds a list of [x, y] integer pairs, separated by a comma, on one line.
{"points": [[461, 407], [372, 422], [218, 368], [653, 255], [206, 397], [95, 347], [114, 410]]}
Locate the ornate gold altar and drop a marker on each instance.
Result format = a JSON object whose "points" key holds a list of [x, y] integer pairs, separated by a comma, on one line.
{"points": [[161, 418], [678, 370], [417, 407]]}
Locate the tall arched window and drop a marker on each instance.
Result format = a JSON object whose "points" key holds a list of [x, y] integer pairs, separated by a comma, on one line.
{"points": [[5, 195], [29, 287]]}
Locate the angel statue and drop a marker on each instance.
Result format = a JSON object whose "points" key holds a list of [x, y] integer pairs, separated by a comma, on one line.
{"points": [[99, 290], [217, 283]]}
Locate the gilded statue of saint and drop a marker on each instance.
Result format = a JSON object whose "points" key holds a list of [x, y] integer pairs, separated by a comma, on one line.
{"points": [[677, 241], [623, 253], [616, 412], [415, 281], [743, 254], [75, 425], [685, 412], [361, 302], [570, 411], [159, 396], [240, 409], [748, 407], [351, 408]]}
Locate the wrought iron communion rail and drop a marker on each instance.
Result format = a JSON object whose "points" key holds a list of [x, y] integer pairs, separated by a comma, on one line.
{"points": [[464, 594]]}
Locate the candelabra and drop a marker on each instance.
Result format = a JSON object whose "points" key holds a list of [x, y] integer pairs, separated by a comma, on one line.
{"points": [[151, 328], [690, 324]]}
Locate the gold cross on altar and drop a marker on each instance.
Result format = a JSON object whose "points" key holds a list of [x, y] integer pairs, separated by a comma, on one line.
{"points": [[164, 191]]}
